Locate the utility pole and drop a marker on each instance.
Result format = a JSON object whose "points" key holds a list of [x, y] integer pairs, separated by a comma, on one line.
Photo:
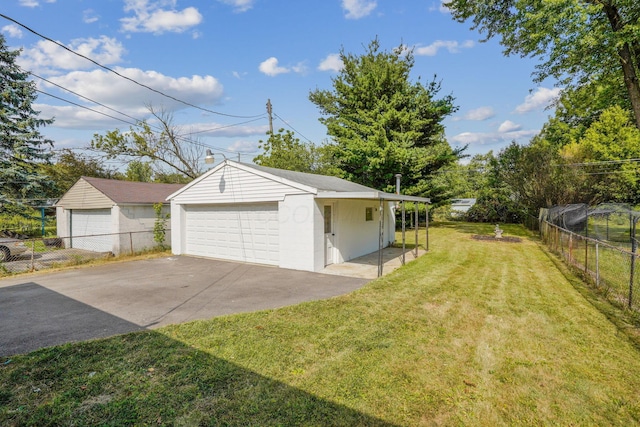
{"points": [[270, 111]]}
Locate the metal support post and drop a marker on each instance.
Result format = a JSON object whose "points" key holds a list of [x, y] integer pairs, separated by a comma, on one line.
{"points": [[426, 209], [380, 237], [403, 233], [417, 224]]}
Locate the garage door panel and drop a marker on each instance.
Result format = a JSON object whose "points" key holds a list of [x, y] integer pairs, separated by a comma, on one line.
{"points": [[91, 230], [248, 233]]}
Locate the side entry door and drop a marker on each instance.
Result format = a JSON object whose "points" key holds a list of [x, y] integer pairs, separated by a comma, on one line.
{"points": [[329, 236]]}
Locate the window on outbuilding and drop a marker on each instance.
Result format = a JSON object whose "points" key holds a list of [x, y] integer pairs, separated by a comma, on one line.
{"points": [[327, 219], [368, 214]]}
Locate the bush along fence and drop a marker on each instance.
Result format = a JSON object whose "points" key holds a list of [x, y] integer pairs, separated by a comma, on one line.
{"points": [[613, 270], [43, 253]]}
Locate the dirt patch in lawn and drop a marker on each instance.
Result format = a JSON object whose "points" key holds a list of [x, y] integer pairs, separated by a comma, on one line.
{"points": [[507, 239]]}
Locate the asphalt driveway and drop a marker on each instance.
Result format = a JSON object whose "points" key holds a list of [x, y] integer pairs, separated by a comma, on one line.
{"points": [[47, 309]]}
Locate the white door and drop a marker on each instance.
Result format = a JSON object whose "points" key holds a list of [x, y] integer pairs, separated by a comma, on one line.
{"points": [[329, 236], [91, 230], [247, 233]]}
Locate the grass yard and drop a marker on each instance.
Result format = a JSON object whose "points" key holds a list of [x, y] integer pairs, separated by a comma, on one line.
{"points": [[474, 333]]}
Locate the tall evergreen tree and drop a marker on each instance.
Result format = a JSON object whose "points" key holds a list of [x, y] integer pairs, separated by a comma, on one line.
{"points": [[22, 148], [382, 124]]}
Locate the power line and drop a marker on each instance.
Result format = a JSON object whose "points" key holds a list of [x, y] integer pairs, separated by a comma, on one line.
{"points": [[123, 76], [285, 122], [603, 162], [84, 97], [137, 123], [225, 126], [85, 107]]}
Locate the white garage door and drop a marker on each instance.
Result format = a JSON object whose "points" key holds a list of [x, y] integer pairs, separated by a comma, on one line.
{"points": [[247, 233], [90, 229]]}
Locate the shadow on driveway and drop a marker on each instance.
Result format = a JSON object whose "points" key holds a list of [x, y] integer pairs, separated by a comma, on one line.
{"points": [[98, 301], [32, 317]]}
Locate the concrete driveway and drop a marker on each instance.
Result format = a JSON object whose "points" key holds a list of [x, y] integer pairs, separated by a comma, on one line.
{"points": [[47, 309]]}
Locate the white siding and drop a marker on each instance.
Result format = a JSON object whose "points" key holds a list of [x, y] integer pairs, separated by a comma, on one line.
{"points": [[232, 185], [354, 236], [62, 222], [297, 237], [84, 196], [177, 229]]}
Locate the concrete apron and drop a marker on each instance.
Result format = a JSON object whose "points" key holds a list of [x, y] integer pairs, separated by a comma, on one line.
{"points": [[366, 267]]}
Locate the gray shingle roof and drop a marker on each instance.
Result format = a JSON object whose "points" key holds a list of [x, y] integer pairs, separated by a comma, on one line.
{"points": [[129, 192], [321, 182]]}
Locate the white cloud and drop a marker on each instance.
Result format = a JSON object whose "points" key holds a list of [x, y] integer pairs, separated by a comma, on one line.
{"points": [[508, 126], [271, 68], [452, 46], [245, 146], [486, 138], [226, 131], [478, 114], [13, 31], [443, 9], [539, 100], [357, 9], [150, 17], [33, 3], [239, 5], [71, 117], [46, 57], [300, 68], [89, 16], [331, 63], [123, 95]]}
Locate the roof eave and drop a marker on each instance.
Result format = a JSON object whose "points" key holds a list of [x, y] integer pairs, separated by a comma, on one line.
{"points": [[370, 195]]}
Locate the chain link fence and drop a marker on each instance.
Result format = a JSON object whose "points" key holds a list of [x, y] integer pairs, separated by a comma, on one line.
{"points": [[611, 268], [42, 253]]}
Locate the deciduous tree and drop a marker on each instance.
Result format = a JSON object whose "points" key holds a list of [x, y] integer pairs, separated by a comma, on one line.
{"points": [[576, 41], [606, 157], [69, 166], [283, 150], [164, 145]]}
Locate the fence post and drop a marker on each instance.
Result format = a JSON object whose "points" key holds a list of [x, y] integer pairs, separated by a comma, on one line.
{"points": [[634, 247], [571, 248], [131, 242], [586, 255], [597, 265], [560, 241], [33, 252]]}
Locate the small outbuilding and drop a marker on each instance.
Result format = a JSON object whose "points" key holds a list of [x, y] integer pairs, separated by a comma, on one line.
{"points": [[107, 215], [249, 213], [461, 206]]}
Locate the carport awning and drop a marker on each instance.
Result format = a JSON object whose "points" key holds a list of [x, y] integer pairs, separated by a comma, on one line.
{"points": [[383, 197], [371, 195]]}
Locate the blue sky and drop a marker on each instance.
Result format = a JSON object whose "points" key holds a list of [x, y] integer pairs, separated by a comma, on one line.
{"points": [[230, 56]]}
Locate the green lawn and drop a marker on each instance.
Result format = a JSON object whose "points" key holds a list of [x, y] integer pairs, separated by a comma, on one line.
{"points": [[473, 333]]}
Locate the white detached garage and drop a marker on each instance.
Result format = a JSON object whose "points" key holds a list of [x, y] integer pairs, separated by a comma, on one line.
{"points": [[249, 213], [107, 215]]}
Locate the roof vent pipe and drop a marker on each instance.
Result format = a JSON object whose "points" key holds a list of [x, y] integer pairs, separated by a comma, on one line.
{"points": [[398, 176]]}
